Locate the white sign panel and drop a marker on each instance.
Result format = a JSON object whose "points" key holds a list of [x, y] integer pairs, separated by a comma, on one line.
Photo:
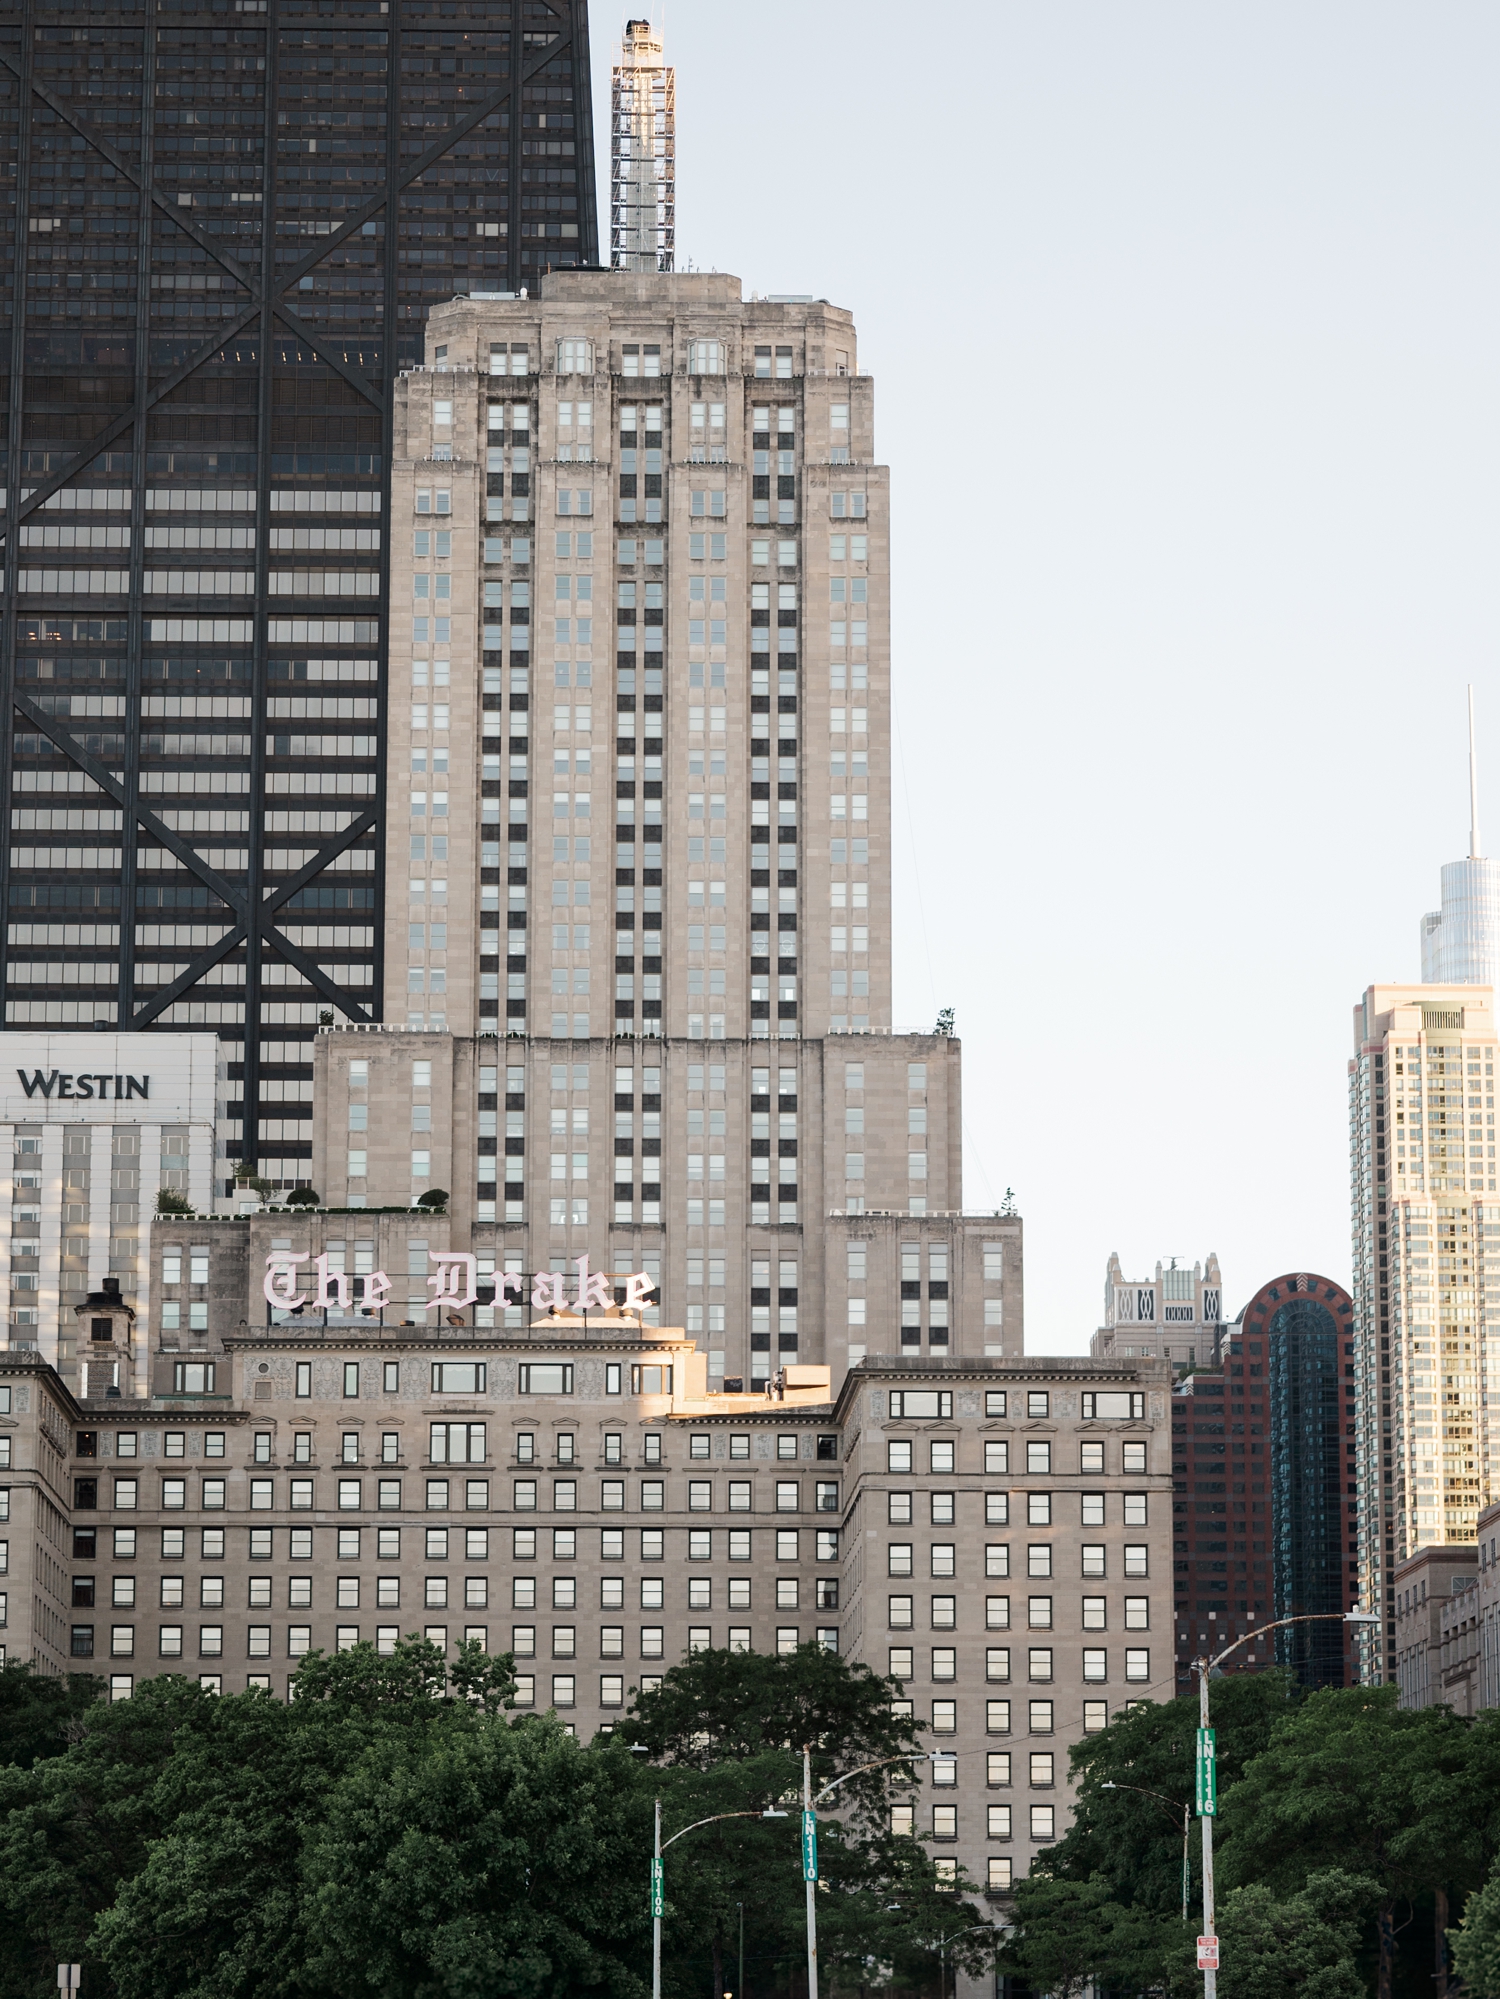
{"points": [[108, 1078]]}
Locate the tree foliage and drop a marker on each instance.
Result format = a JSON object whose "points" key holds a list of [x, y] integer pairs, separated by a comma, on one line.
{"points": [[397, 1830]]}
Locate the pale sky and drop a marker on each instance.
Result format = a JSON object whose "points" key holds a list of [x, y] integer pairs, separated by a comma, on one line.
{"points": [[1183, 320]]}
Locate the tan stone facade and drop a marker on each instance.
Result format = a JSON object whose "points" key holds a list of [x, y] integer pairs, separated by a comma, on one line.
{"points": [[993, 1533]]}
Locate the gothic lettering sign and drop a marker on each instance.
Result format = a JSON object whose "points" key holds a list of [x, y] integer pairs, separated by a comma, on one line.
{"points": [[454, 1284]]}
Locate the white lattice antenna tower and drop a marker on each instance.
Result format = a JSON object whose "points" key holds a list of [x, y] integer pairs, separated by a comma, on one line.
{"points": [[643, 148]]}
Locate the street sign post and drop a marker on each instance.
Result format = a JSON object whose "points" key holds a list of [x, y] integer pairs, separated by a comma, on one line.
{"points": [[1206, 1789], [658, 1893], [809, 1846], [1208, 1953], [69, 1977]]}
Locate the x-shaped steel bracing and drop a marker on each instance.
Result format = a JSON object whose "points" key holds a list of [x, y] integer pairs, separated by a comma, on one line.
{"points": [[248, 920]]}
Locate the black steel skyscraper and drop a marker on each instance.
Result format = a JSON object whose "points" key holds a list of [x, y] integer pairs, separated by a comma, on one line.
{"points": [[228, 223]]}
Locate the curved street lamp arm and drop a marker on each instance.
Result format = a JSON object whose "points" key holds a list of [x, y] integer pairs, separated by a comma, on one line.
{"points": [[714, 1820], [917, 1756], [1312, 1617]]}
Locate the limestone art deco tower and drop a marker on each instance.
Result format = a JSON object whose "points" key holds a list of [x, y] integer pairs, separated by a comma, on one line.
{"points": [[640, 853]]}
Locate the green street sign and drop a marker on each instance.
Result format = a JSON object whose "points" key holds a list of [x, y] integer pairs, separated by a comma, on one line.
{"points": [[658, 1891], [809, 1846], [1206, 1789]]}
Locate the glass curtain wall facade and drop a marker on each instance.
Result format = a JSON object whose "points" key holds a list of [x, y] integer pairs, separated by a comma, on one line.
{"points": [[1309, 1577], [228, 227]]}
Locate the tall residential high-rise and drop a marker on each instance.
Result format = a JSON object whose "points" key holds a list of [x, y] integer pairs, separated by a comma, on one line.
{"points": [[648, 750], [228, 230], [643, 154], [1178, 1313], [1423, 1186], [1461, 940]]}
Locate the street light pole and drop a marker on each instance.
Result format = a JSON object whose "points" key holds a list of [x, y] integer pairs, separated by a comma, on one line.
{"points": [[1187, 1813], [659, 1894], [810, 1871], [657, 1898], [810, 1843], [1207, 1800], [943, 1942], [658, 1886]]}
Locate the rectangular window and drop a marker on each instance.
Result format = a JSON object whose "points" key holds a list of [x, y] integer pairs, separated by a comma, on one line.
{"points": [[462, 1377], [1098, 1406], [304, 1378], [1137, 1665], [1095, 1664], [546, 1378], [928, 1403], [1135, 1509]]}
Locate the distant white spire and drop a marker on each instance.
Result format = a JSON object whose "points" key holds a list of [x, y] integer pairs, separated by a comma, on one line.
{"points": [[1474, 847]]}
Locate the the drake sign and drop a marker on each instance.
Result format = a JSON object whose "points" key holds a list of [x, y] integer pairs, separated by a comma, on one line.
{"points": [[454, 1283]]}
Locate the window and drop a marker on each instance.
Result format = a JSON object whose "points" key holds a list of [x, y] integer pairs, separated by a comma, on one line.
{"points": [[351, 1378], [544, 1378], [1091, 1509], [1093, 1613], [945, 1722], [998, 1878], [997, 1767], [997, 1663], [1137, 1664], [1095, 1663], [996, 1455], [1100, 1407], [930, 1403], [1039, 1663], [707, 357], [1135, 1561], [1037, 1402], [1039, 1509], [463, 1377], [193, 1377], [1044, 1823], [997, 1722], [1038, 1457], [944, 1821], [575, 357], [1133, 1457], [1137, 1613], [898, 1454], [940, 1455], [304, 1378], [1135, 1509], [1039, 1716]]}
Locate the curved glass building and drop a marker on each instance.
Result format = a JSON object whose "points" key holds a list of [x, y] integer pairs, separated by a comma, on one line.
{"points": [[1461, 941]]}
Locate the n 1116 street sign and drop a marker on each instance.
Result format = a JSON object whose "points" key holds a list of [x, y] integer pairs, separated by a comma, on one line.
{"points": [[1206, 1789]]}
